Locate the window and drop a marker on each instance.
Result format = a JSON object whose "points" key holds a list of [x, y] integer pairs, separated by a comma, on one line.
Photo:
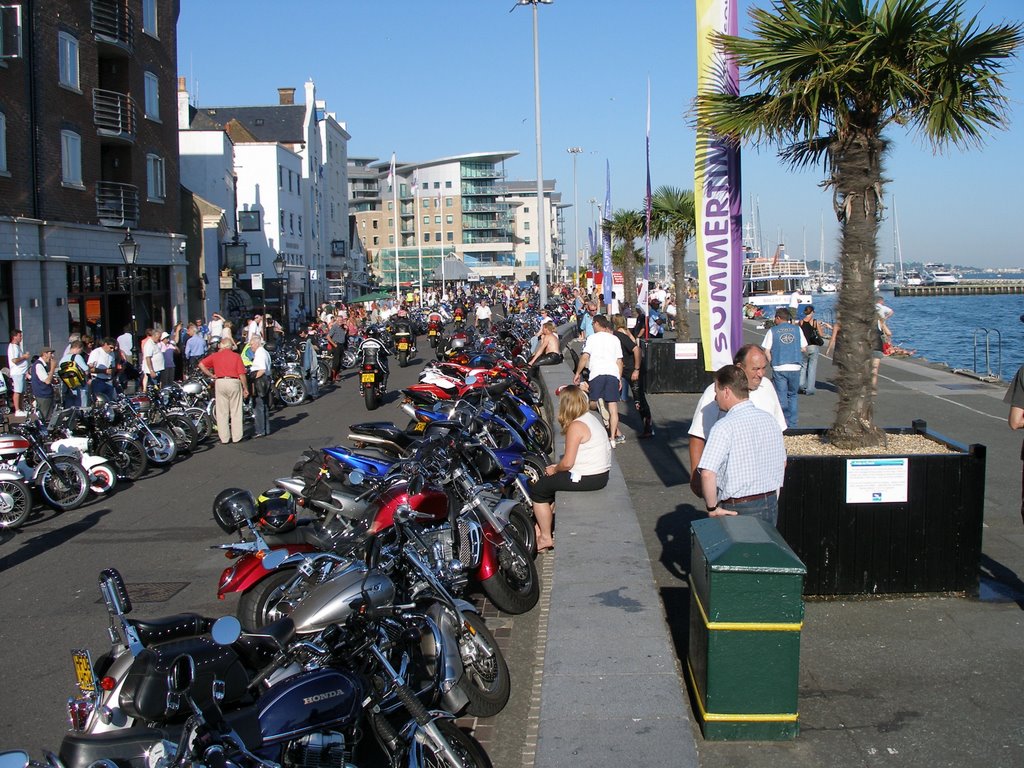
{"points": [[426, 202], [67, 59], [291, 223], [447, 202], [3, 143], [289, 179], [449, 219], [526, 225], [437, 237], [526, 209], [376, 240], [156, 188], [280, 177], [437, 219], [376, 222], [300, 226], [391, 239], [426, 237], [152, 105], [447, 185], [526, 240], [391, 223], [451, 236], [149, 17], [298, 181], [437, 184], [426, 219], [71, 158], [282, 220], [391, 205]]}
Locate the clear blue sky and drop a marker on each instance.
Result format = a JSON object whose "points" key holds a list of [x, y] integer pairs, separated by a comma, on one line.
{"points": [[433, 79]]}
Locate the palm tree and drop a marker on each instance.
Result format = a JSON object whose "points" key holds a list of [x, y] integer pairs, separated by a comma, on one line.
{"points": [[828, 77], [673, 216], [627, 226]]}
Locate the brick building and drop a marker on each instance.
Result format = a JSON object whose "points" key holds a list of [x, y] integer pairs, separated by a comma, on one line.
{"points": [[89, 150]]}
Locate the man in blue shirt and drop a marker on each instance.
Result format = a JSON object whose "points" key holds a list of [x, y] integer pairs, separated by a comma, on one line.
{"points": [[195, 348], [587, 321], [784, 345]]}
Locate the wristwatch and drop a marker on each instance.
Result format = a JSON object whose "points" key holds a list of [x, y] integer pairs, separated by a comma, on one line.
{"points": [[711, 509]]}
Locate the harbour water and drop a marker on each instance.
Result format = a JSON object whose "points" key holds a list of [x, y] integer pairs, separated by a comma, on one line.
{"points": [[943, 329]]}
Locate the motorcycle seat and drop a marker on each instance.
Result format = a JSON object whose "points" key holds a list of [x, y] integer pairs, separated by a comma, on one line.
{"points": [[144, 693], [166, 628], [385, 430]]}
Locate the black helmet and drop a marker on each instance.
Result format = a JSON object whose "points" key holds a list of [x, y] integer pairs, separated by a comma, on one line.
{"points": [[276, 510], [99, 399], [232, 507]]}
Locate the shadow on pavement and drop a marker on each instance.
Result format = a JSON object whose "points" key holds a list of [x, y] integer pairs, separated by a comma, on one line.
{"points": [[662, 453], [999, 583], [44, 542]]}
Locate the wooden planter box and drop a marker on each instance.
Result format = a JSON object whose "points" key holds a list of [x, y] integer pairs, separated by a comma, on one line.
{"points": [[855, 546], [665, 373]]}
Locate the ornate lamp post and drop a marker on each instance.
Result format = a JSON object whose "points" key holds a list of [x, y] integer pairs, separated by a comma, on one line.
{"points": [[130, 253]]}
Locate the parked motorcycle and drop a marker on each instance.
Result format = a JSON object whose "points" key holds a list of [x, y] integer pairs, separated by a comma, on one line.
{"points": [[373, 371], [62, 480]]}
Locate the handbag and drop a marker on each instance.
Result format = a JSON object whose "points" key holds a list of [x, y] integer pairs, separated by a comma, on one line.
{"points": [[811, 334], [261, 386]]}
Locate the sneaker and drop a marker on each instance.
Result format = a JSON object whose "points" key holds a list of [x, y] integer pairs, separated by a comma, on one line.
{"points": [[20, 414], [612, 443], [620, 439], [605, 416]]}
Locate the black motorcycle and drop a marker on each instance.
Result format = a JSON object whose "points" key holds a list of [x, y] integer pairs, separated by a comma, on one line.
{"points": [[373, 371]]}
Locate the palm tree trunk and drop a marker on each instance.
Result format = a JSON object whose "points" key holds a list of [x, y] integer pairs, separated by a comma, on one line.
{"points": [[629, 276], [857, 175], [679, 276]]}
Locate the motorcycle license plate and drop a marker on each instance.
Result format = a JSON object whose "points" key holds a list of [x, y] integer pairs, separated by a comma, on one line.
{"points": [[419, 426], [82, 662], [367, 378], [403, 345], [433, 333]]}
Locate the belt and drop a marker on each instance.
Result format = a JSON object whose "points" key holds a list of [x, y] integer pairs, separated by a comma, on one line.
{"points": [[741, 499], [234, 378]]}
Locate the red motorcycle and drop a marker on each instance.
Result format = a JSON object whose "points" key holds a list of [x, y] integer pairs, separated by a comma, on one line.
{"points": [[435, 327]]}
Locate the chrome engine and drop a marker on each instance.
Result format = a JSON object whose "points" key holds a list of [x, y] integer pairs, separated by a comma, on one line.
{"points": [[441, 551], [318, 750]]}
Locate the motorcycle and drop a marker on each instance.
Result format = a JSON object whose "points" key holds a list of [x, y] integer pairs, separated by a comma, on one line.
{"points": [[360, 671], [435, 328], [62, 480], [373, 371], [119, 447]]}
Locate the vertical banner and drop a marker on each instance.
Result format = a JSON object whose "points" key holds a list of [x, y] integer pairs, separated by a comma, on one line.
{"points": [[717, 197], [643, 298], [606, 236]]}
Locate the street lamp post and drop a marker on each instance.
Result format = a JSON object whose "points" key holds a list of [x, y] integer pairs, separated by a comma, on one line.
{"points": [[574, 151], [279, 267], [542, 244], [130, 253]]}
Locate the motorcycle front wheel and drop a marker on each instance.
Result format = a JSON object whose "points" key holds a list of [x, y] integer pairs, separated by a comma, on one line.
{"points": [[126, 455], [468, 749], [161, 449], [515, 586], [102, 478], [202, 422], [15, 503], [485, 679], [184, 431], [262, 604], [323, 373], [290, 389], [64, 484], [520, 524]]}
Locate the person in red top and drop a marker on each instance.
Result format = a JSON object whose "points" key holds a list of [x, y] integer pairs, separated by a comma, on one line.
{"points": [[226, 368]]}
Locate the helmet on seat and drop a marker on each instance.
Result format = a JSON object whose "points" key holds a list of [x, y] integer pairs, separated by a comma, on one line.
{"points": [[275, 510], [232, 507]]}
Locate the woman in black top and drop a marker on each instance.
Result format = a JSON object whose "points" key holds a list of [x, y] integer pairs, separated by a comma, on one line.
{"points": [[632, 373]]}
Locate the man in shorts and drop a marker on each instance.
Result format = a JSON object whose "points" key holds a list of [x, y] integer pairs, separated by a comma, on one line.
{"points": [[602, 354]]}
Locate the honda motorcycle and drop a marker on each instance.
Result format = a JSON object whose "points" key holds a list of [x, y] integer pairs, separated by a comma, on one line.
{"points": [[373, 371]]}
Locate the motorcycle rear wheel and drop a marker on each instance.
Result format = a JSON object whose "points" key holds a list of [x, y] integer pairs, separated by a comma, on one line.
{"points": [[515, 586], [64, 485], [261, 605], [403, 359], [102, 478], [184, 431], [15, 503], [485, 681], [202, 421], [371, 398]]}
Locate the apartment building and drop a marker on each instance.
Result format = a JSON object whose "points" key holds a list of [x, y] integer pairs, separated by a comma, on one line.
{"points": [[88, 151], [285, 239], [521, 197], [452, 206]]}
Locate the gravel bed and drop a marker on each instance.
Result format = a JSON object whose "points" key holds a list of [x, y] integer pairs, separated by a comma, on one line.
{"points": [[895, 445]]}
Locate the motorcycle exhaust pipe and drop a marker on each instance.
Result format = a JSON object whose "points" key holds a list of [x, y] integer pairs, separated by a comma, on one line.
{"points": [[409, 409]]}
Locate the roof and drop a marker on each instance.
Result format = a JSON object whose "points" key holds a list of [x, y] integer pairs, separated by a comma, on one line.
{"points": [[489, 157], [282, 123]]}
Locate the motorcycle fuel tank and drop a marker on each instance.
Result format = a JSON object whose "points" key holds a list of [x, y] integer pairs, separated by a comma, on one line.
{"points": [[330, 602], [429, 502], [309, 702]]}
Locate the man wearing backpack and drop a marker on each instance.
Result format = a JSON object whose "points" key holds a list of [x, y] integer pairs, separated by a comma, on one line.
{"points": [[72, 373]]}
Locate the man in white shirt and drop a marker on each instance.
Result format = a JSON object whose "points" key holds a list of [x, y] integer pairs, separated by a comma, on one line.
{"points": [[126, 342], [152, 359], [216, 328], [754, 363], [17, 363], [101, 364], [259, 370], [483, 316], [602, 354]]}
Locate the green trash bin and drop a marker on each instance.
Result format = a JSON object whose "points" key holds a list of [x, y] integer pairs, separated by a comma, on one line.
{"points": [[746, 613]]}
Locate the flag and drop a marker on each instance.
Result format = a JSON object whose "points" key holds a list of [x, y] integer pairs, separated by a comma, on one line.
{"points": [[391, 173], [717, 196], [606, 235], [415, 184], [643, 298]]}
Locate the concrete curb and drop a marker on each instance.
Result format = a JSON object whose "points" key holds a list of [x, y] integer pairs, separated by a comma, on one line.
{"points": [[612, 693]]}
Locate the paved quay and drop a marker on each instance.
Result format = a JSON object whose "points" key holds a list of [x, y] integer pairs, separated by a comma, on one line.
{"points": [[926, 680]]}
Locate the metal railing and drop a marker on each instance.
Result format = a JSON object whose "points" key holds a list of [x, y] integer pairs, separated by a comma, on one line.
{"points": [[483, 189], [113, 114], [117, 204], [113, 23], [472, 206], [986, 341]]}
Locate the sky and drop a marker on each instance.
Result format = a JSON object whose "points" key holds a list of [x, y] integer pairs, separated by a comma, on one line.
{"points": [[434, 79]]}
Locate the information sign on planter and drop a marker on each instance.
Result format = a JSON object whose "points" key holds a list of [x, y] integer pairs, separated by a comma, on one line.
{"points": [[886, 524], [674, 367]]}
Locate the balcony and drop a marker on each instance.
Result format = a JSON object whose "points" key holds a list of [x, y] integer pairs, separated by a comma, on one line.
{"points": [[338, 248], [468, 188], [474, 206], [113, 25], [113, 114], [117, 205]]}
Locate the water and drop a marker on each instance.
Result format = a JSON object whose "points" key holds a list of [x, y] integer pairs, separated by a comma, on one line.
{"points": [[942, 328]]}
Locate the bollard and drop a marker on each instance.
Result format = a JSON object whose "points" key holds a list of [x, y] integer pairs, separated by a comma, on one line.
{"points": [[746, 613]]}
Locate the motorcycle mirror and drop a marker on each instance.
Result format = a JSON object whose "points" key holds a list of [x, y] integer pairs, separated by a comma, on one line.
{"points": [[226, 630], [14, 759], [183, 672], [416, 485], [355, 477], [273, 561]]}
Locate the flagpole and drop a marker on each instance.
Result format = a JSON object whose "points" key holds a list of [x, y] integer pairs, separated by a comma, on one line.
{"points": [[647, 228], [416, 228], [398, 227], [440, 208]]}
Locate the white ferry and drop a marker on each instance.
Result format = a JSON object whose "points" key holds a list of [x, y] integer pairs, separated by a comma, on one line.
{"points": [[938, 274], [773, 282]]}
